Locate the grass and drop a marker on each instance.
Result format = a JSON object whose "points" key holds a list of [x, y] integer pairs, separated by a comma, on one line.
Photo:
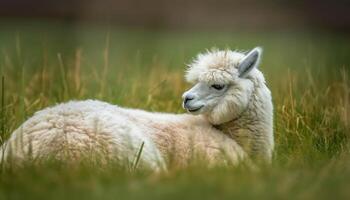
{"points": [[308, 73]]}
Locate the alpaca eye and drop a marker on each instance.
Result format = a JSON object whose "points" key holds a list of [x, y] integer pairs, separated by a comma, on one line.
{"points": [[218, 86]]}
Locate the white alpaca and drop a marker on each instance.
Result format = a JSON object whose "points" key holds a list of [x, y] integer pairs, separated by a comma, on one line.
{"points": [[232, 121]]}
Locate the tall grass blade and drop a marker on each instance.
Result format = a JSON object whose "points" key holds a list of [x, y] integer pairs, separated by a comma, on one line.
{"points": [[2, 136], [134, 167], [63, 77]]}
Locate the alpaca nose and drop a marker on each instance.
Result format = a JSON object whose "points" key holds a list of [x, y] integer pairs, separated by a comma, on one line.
{"points": [[188, 98]]}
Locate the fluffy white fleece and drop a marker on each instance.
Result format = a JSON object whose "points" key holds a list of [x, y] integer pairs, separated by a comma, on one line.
{"points": [[237, 126], [244, 110]]}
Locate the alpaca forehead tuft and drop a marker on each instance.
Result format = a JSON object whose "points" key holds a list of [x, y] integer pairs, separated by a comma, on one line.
{"points": [[215, 66]]}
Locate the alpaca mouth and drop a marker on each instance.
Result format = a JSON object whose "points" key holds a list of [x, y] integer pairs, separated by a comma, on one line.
{"points": [[195, 109]]}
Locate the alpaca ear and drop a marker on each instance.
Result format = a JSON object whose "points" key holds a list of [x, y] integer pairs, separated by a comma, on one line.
{"points": [[249, 62]]}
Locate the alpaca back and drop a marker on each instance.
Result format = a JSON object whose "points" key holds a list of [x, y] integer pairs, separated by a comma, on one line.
{"points": [[102, 132], [76, 131]]}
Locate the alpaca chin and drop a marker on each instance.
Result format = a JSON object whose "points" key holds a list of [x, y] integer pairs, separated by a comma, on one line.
{"points": [[223, 113]]}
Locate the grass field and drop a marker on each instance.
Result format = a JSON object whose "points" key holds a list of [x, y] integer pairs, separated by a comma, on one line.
{"points": [[308, 73]]}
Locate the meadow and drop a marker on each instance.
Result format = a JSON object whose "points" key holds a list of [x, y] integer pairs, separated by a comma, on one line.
{"points": [[43, 63]]}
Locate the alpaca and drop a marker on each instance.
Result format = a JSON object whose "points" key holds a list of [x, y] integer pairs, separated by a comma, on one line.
{"points": [[229, 121], [230, 92]]}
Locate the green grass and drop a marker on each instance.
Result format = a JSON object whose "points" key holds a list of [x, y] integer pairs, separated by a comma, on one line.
{"points": [[308, 73]]}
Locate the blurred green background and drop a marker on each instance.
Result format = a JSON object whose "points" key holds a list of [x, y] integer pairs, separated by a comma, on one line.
{"points": [[134, 54]]}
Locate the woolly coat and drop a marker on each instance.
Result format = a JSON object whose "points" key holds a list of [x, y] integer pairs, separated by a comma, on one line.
{"points": [[92, 129]]}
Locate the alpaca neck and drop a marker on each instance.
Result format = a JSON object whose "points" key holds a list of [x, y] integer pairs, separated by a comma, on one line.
{"points": [[253, 128]]}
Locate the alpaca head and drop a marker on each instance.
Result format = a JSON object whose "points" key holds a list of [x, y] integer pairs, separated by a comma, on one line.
{"points": [[223, 84]]}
